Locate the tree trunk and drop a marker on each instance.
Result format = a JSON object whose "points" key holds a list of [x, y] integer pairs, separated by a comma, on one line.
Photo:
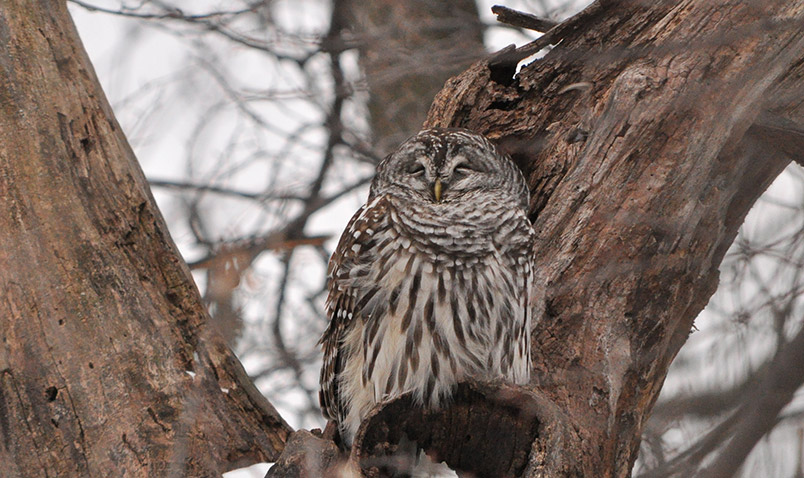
{"points": [[645, 136], [107, 365]]}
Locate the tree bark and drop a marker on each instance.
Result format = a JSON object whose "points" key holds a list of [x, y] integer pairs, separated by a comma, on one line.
{"points": [[639, 185], [107, 365], [646, 136]]}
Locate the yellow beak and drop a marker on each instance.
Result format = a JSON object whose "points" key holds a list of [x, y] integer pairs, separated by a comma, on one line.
{"points": [[437, 190]]}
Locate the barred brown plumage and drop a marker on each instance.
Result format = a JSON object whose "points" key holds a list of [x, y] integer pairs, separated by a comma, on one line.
{"points": [[431, 281]]}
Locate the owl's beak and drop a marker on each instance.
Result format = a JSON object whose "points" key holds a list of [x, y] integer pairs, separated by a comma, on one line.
{"points": [[437, 190]]}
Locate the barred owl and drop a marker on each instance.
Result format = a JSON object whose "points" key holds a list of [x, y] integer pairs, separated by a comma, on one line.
{"points": [[431, 280]]}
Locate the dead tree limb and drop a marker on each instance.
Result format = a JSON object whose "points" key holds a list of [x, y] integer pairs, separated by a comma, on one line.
{"points": [[521, 19], [107, 364], [639, 185]]}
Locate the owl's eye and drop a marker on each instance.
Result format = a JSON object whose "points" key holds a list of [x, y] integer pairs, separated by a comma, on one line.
{"points": [[464, 168], [415, 169]]}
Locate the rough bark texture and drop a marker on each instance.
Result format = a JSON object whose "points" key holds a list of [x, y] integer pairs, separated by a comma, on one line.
{"points": [[499, 414], [107, 367], [646, 136], [640, 179]]}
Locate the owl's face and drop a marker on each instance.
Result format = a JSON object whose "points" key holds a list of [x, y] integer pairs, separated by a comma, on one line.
{"points": [[442, 166]]}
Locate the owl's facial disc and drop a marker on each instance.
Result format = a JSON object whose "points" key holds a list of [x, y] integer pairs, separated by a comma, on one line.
{"points": [[440, 169]]}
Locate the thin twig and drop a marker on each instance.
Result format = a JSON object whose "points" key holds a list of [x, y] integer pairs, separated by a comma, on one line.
{"points": [[758, 417], [170, 13], [737, 435], [184, 185]]}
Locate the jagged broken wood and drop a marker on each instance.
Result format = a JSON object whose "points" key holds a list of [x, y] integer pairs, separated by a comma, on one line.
{"points": [[459, 434], [521, 19]]}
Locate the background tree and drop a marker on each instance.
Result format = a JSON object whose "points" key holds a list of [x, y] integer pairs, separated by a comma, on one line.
{"points": [[247, 209]]}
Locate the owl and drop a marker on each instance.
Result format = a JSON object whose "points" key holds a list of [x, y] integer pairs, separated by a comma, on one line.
{"points": [[431, 282]]}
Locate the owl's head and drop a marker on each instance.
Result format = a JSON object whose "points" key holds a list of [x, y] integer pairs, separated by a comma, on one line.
{"points": [[449, 165]]}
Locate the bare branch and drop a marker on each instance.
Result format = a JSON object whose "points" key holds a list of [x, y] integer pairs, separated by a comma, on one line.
{"points": [[758, 415], [185, 186], [521, 19]]}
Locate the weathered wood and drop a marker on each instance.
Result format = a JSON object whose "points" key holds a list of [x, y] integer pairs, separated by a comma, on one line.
{"points": [[458, 434], [640, 179], [310, 455], [107, 366], [521, 19], [646, 135]]}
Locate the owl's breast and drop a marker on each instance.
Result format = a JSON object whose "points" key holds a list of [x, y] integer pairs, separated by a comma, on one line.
{"points": [[429, 316], [461, 235]]}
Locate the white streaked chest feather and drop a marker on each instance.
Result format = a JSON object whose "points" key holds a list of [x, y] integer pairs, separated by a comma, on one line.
{"points": [[431, 321]]}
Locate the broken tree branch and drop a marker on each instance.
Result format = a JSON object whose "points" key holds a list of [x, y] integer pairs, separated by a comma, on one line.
{"points": [[521, 19]]}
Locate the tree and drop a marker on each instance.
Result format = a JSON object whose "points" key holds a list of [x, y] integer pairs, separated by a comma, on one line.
{"points": [[646, 135], [107, 361]]}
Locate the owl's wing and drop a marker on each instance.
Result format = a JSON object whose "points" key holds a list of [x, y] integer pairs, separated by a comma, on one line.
{"points": [[356, 250]]}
